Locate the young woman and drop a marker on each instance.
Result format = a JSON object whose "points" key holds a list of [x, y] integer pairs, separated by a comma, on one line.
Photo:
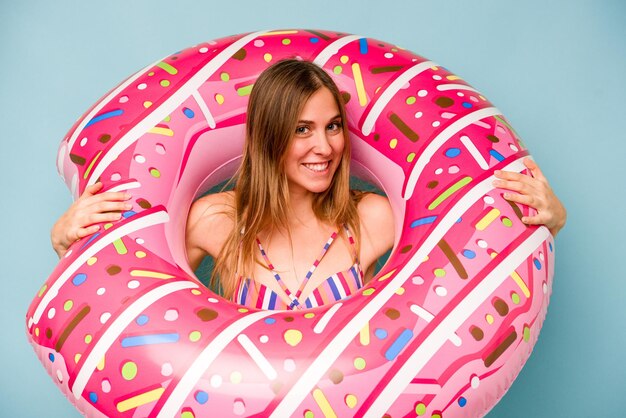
{"points": [[291, 234]]}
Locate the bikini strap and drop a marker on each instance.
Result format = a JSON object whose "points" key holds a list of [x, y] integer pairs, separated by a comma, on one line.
{"points": [[295, 302], [356, 255], [294, 299]]}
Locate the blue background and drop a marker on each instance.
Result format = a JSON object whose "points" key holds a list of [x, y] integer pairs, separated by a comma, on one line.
{"points": [[556, 69]]}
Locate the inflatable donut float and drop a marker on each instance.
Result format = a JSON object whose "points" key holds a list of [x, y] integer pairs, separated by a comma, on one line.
{"points": [[126, 329]]}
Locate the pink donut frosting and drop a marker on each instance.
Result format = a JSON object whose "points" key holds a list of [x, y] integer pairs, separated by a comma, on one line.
{"points": [[125, 328]]}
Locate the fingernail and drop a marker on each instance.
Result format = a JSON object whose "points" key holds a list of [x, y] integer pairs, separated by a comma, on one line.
{"points": [[127, 195], [497, 172], [506, 195], [128, 206]]}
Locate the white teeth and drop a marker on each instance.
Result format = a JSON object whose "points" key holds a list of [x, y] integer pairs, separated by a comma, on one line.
{"points": [[317, 166]]}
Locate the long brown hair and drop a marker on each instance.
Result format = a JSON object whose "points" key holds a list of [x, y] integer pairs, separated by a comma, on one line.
{"points": [[261, 188]]}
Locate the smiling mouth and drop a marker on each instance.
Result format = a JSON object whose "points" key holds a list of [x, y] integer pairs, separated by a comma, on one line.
{"points": [[317, 167]]}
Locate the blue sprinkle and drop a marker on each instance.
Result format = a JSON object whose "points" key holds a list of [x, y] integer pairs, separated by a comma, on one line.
{"points": [[550, 246], [462, 402], [459, 220], [363, 45], [537, 264], [94, 236], [202, 397], [140, 340], [467, 105], [104, 116], [469, 254], [453, 152], [380, 333], [495, 154], [397, 346], [93, 397], [270, 321], [314, 40], [423, 221], [51, 357], [188, 112], [79, 279], [142, 320], [129, 213]]}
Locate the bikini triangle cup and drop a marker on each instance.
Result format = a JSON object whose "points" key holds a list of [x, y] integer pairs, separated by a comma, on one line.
{"points": [[335, 287]]}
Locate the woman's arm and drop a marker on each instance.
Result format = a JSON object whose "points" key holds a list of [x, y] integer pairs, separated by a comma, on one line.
{"points": [[535, 192], [377, 230], [208, 225], [89, 209]]}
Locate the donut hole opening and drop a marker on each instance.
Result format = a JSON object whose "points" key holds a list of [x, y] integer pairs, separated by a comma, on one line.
{"points": [[205, 269]]}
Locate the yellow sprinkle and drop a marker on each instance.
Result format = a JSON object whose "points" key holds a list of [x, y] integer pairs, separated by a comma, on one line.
{"points": [[196, 292], [309, 315], [434, 68], [280, 32], [242, 310], [386, 275], [107, 226], [91, 164], [194, 336], [521, 284], [267, 57], [358, 81], [77, 358], [141, 399], [161, 131], [224, 76], [140, 254], [410, 157], [100, 365], [219, 98], [286, 41], [37, 332], [292, 337], [147, 104], [42, 290], [91, 261], [323, 403], [487, 219], [369, 291], [364, 334], [453, 77], [235, 377], [151, 274], [88, 338], [489, 319], [393, 143], [351, 400], [344, 59], [400, 291]]}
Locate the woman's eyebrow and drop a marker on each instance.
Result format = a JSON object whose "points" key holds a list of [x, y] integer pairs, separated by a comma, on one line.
{"points": [[337, 116]]}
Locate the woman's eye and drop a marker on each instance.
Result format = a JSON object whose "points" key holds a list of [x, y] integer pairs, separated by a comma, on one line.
{"points": [[301, 130], [334, 126]]}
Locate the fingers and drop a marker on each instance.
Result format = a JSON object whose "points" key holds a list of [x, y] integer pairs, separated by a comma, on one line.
{"points": [[534, 169], [93, 189]]}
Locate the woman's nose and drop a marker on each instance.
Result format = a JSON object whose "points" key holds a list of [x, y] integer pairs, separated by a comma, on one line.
{"points": [[322, 144]]}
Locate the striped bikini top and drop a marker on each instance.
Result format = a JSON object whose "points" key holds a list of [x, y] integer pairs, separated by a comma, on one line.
{"points": [[338, 286]]}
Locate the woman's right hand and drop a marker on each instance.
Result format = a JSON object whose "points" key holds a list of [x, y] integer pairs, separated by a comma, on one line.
{"points": [[89, 209]]}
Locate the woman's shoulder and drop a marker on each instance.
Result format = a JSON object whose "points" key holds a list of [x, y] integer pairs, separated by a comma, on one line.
{"points": [[213, 204], [374, 207], [377, 225]]}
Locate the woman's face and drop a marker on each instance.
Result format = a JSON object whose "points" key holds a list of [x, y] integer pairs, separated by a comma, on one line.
{"points": [[317, 145]]}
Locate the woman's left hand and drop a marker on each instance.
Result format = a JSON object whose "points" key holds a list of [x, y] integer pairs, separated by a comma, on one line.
{"points": [[534, 191]]}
